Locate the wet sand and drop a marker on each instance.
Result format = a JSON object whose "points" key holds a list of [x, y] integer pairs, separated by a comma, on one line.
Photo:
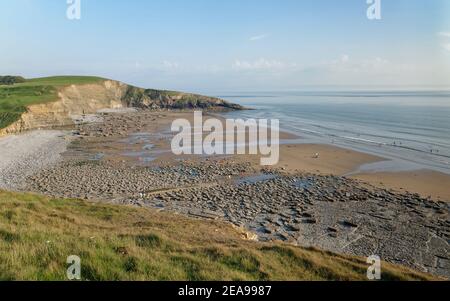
{"points": [[318, 158], [424, 182], [338, 161]]}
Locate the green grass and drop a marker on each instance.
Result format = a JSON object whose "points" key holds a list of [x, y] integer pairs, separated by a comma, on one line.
{"points": [[14, 99], [37, 235], [58, 81]]}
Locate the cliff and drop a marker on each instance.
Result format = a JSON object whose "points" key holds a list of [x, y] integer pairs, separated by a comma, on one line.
{"points": [[88, 98]]}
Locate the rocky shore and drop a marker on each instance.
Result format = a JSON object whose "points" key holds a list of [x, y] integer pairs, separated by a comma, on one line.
{"points": [[24, 155], [327, 212], [324, 211]]}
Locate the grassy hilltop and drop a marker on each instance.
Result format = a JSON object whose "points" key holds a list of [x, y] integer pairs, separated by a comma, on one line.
{"points": [[14, 98], [18, 93], [37, 234]]}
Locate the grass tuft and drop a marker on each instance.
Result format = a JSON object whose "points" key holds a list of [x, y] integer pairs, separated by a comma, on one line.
{"points": [[37, 234]]}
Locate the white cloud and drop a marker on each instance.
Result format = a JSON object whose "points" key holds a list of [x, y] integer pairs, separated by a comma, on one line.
{"points": [[277, 73], [345, 64], [376, 64], [170, 65], [260, 37], [345, 58], [342, 66], [352, 70], [444, 34], [261, 64]]}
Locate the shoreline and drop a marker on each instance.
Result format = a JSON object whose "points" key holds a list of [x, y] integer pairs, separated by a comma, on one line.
{"points": [[345, 162], [305, 200], [296, 155]]}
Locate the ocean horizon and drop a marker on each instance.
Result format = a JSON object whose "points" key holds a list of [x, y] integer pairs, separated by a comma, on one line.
{"points": [[411, 129]]}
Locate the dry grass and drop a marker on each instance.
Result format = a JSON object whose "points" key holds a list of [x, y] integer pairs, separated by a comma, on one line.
{"points": [[37, 235]]}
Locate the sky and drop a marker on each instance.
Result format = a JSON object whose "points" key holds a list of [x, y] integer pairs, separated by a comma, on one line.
{"points": [[232, 45]]}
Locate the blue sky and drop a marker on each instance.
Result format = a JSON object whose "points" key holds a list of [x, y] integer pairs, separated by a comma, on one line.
{"points": [[233, 45]]}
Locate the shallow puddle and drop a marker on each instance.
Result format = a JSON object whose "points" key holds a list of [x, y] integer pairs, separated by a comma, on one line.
{"points": [[303, 183], [97, 157], [255, 179], [137, 138], [144, 157]]}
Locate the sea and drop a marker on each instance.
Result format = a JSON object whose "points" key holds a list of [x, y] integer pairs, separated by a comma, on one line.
{"points": [[410, 129]]}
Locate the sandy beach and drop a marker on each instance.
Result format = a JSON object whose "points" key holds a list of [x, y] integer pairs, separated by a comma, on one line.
{"points": [[339, 161], [424, 182]]}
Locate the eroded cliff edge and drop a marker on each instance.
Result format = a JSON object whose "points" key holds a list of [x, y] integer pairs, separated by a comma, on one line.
{"points": [[76, 100]]}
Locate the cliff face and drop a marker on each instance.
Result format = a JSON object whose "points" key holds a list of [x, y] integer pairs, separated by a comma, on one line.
{"points": [[154, 99], [90, 98], [72, 100]]}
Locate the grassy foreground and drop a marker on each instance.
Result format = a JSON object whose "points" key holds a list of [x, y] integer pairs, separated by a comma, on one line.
{"points": [[14, 99], [37, 235]]}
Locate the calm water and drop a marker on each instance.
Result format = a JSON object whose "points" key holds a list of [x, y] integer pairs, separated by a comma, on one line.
{"points": [[410, 128]]}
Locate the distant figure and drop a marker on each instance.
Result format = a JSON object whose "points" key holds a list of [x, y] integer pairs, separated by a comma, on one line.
{"points": [[316, 156]]}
